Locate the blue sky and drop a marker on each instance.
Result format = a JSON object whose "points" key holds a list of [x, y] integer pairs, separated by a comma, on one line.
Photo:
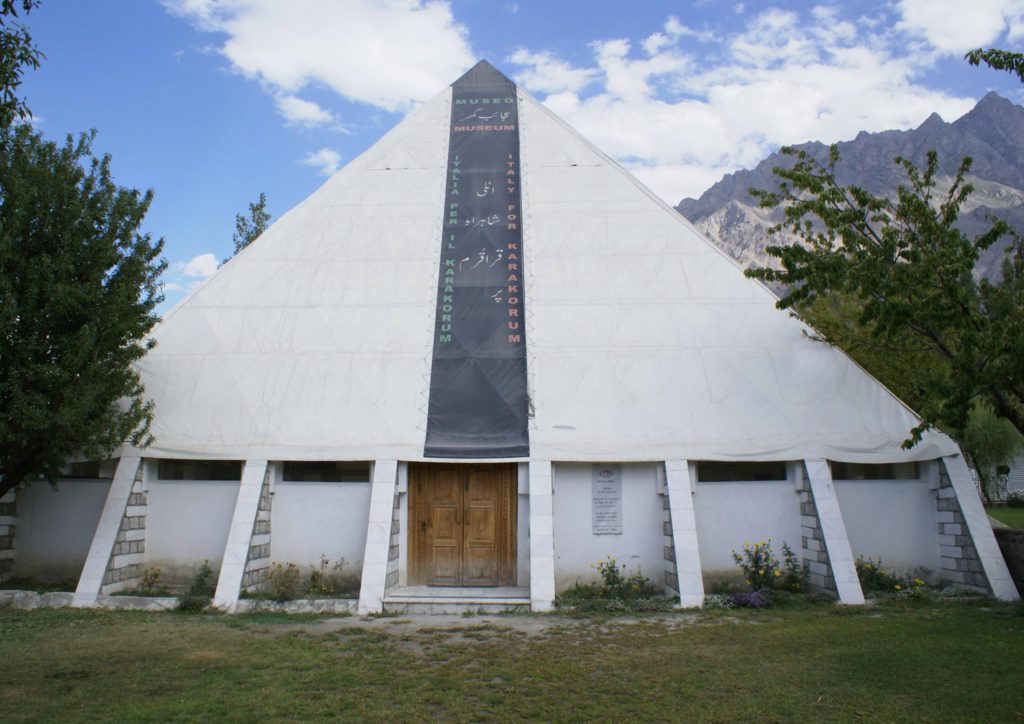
{"points": [[210, 102]]}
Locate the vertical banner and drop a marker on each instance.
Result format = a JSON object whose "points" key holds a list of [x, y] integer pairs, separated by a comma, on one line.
{"points": [[478, 400], [606, 499]]}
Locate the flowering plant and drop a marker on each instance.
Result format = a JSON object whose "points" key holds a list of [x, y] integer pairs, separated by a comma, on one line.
{"points": [[765, 572]]}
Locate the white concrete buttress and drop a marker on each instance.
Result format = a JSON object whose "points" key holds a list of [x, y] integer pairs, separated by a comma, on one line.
{"points": [[542, 537], [91, 580], [978, 525], [378, 537], [236, 550], [680, 485], [833, 529]]}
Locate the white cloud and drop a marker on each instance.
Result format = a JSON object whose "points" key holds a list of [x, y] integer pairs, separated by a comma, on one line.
{"points": [[956, 26], [680, 122], [389, 53], [183, 277], [301, 112], [545, 73], [678, 118], [199, 267], [326, 160]]}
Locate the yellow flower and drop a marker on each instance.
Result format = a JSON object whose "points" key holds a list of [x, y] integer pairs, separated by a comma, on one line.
{"points": [[778, 573], [760, 572], [899, 587]]}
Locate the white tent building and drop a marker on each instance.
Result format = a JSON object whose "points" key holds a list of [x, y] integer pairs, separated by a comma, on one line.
{"points": [[481, 357]]}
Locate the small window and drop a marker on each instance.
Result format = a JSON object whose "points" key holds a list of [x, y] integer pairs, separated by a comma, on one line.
{"points": [[326, 471], [709, 471], [89, 470], [199, 470], [882, 471]]}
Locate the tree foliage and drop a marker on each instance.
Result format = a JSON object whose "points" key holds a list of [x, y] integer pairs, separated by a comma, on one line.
{"points": [[78, 287], [989, 442], [17, 52], [248, 228], [908, 272], [998, 60]]}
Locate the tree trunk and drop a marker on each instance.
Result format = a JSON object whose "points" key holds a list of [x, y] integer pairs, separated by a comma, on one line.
{"points": [[12, 476], [1006, 409]]}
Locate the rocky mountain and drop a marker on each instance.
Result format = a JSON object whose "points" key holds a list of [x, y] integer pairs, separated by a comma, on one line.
{"points": [[992, 134]]}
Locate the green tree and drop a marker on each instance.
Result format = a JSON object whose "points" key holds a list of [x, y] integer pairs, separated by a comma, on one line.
{"points": [[989, 442], [998, 60], [908, 271], [17, 52], [248, 228], [79, 283], [908, 368]]}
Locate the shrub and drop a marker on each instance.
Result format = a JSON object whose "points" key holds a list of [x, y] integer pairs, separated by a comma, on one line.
{"points": [[874, 578], [618, 592], [764, 572], [283, 581], [200, 592], [325, 579], [718, 601], [794, 572], [752, 599], [917, 591], [150, 581], [1015, 499]]}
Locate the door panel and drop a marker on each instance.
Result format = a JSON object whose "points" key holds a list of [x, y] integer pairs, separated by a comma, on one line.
{"points": [[462, 524], [481, 535]]}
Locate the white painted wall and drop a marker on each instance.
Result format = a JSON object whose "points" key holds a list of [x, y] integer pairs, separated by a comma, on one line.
{"points": [[577, 549], [55, 528], [523, 525], [731, 514], [308, 520], [187, 522], [895, 520]]}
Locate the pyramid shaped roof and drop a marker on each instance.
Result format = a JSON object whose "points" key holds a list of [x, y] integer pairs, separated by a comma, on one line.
{"points": [[643, 341]]}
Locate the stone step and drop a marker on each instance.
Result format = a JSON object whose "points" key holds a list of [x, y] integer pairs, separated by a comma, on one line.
{"points": [[454, 605]]}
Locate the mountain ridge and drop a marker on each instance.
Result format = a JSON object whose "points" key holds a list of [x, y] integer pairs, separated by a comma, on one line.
{"points": [[991, 133]]}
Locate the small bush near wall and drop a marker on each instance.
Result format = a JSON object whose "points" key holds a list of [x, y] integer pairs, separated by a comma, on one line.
{"points": [[283, 581], [765, 572], [200, 593], [618, 592], [286, 582]]}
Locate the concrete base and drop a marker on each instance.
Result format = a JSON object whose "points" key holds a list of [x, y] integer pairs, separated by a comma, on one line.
{"points": [[340, 606]]}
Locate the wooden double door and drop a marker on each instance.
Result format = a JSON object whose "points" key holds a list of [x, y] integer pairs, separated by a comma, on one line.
{"points": [[462, 524]]}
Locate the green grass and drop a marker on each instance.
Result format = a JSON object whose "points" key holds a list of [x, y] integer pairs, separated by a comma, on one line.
{"points": [[947, 662], [1013, 517]]}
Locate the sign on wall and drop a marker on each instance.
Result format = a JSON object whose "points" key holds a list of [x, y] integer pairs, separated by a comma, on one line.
{"points": [[606, 497], [478, 400]]}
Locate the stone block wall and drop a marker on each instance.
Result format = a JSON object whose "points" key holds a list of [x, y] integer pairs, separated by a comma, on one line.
{"points": [[669, 546], [124, 568], [813, 551], [391, 579], [960, 563], [257, 561], [8, 535]]}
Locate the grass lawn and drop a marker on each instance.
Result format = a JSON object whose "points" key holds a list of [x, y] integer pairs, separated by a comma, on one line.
{"points": [[1013, 517], [938, 662]]}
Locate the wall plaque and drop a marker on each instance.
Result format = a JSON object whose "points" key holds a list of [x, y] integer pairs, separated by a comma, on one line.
{"points": [[606, 496]]}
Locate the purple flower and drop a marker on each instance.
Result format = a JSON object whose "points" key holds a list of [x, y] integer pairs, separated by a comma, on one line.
{"points": [[754, 599]]}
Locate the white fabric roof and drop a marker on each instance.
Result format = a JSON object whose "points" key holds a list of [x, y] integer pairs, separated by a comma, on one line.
{"points": [[644, 341]]}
